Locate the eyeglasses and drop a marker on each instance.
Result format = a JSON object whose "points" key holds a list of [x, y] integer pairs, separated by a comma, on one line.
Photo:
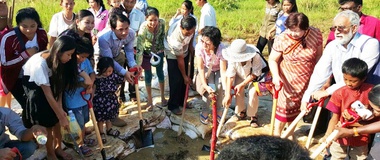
{"points": [[204, 42], [339, 28]]}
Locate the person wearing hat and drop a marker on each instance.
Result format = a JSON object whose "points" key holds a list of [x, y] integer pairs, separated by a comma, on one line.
{"points": [[211, 67], [294, 55], [178, 50], [244, 66], [150, 52]]}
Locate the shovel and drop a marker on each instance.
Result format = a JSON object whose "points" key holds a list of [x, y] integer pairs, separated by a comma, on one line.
{"points": [[299, 117], [143, 138], [331, 137], [274, 108], [225, 111], [75, 146], [315, 121], [185, 99], [95, 123]]}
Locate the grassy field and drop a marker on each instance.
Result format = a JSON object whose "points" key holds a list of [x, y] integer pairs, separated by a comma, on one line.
{"points": [[235, 18]]}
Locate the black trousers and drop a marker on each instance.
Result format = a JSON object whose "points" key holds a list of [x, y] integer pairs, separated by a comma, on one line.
{"points": [[176, 83], [262, 42], [18, 93]]}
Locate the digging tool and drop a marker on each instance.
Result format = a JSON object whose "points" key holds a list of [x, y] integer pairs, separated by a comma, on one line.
{"points": [[185, 99], [95, 123], [331, 137], [315, 121], [299, 117], [11, 13], [76, 146], [143, 138], [225, 111], [274, 108]]}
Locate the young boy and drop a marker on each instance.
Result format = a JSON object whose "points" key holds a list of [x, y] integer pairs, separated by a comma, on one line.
{"points": [[354, 74], [74, 101]]}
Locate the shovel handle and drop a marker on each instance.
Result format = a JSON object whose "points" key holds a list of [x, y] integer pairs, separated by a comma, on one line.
{"points": [[292, 125], [331, 137], [136, 72]]}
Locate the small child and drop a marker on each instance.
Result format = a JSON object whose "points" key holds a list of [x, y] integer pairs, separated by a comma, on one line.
{"points": [[74, 100], [268, 27], [106, 105], [288, 6], [354, 73]]}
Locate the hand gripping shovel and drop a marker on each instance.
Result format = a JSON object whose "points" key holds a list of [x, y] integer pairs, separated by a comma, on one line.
{"points": [[95, 123], [331, 137], [299, 117], [143, 138], [274, 108], [76, 146]]}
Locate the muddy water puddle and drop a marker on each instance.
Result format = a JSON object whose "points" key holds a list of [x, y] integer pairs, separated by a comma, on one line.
{"points": [[169, 146]]}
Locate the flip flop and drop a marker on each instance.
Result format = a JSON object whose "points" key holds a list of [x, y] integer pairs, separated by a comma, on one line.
{"points": [[204, 120]]}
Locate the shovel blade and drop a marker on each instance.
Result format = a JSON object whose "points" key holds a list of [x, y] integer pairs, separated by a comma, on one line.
{"points": [[143, 138]]}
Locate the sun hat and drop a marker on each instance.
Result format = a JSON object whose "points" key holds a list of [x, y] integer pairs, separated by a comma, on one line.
{"points": [[239, 51]]}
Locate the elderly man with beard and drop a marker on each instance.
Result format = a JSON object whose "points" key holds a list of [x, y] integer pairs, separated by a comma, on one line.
{"points": [[348, 43]]}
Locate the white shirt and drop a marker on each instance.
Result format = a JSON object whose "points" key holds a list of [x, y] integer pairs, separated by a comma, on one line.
{"points": [[235, 68], [334, 54], [57, 25], [36, 67], [136, 18], [208, 16], [176, 43]]}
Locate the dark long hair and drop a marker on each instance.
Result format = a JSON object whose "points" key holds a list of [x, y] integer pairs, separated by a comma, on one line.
{"points": [[64, 76], [81, 14], [189, 5]]}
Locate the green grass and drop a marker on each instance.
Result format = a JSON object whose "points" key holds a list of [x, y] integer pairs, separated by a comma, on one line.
{"points": [[235, 18]]}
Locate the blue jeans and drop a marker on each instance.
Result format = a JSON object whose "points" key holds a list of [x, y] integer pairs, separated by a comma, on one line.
{"points": [[81, 115], [26, 148]]}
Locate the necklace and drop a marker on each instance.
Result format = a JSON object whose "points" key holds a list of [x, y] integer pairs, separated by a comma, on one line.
{"points": [[64, 17]]}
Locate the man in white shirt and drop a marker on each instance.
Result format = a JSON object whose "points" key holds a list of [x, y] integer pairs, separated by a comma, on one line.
{"points": [[348, 43], [208, 15], [177, 48]]}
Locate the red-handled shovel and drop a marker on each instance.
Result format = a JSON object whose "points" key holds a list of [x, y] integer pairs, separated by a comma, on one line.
{"points": [[274, 107]]}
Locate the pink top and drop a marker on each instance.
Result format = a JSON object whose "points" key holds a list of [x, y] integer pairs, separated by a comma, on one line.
{"points": [[200, 52], [101, 19], [369, 26]]}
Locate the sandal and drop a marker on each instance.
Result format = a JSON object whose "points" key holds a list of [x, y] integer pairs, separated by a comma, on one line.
{"points": [[113, 132], [104, 138], [86, 151], [237, 117], [204, 120], [254, 122], [89, 142]]}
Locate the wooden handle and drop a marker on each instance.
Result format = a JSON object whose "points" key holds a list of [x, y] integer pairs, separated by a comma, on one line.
{"points": [[329, 139], [274, 107], [293, 125], [312, 129], [222, 120], [97, 132]]}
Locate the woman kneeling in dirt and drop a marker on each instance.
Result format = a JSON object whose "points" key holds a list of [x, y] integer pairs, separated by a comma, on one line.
{"points": [[244, 66], [211, 67]]}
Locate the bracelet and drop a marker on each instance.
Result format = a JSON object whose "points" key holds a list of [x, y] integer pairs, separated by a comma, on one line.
{"points": [[355, 132]]}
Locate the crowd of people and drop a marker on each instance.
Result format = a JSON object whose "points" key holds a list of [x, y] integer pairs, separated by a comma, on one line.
{"points": [[93, 50]]}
